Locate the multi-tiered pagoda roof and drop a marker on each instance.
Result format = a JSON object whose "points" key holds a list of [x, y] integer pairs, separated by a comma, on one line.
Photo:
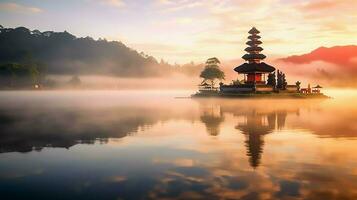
{"points": [[253, 57]]}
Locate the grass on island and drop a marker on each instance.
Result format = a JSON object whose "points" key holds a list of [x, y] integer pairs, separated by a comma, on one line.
{"points": [[260, 95]]}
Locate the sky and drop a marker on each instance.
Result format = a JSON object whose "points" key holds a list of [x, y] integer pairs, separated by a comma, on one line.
{"points": [[180, 31]]}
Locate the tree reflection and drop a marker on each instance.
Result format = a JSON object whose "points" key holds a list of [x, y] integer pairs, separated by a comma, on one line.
{"points": [[30, 130], [212, 117]]}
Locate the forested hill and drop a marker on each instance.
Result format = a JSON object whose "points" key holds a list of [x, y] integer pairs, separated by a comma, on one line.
{"points": [[63, 53]]}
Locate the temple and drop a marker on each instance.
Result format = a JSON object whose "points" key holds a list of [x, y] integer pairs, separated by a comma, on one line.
{"points": [[259, 78], [254, 68]]}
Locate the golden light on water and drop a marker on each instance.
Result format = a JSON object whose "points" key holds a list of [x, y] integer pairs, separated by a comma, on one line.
{"points": [[233, 147]]}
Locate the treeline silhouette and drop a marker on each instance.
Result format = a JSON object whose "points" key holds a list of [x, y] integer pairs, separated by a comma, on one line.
{"points": [[64, 54]]}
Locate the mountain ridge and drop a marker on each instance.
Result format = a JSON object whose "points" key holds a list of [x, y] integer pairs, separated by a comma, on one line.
{"points": [[64, 53], [343, 56]]}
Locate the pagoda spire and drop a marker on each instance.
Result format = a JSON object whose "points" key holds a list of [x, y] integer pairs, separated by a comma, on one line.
{"points": [[254, 68], [253, 49]]}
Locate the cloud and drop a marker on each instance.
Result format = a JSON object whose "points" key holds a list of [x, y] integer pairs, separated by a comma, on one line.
{"points": [[323, 5], [114, 3], [287, 27], [164, 2], [217, 41], [184, 20], [174, 6], [18, 8], [219, 27]]}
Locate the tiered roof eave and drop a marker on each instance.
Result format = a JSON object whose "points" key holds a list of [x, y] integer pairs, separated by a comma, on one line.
{"points": [[254, 31], [254, 68], [253, 58]]}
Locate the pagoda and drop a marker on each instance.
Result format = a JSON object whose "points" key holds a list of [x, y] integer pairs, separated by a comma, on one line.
{"points": [[254, 69]]}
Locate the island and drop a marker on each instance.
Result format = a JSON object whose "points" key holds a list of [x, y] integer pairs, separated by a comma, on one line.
{"points": [[261, 80]]}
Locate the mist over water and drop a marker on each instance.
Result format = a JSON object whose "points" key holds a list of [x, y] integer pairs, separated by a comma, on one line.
{"points": [[150, 145]]}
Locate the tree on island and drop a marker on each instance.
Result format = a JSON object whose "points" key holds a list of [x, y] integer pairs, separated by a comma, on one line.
{"points": [[298, 83], [284, 82], [272, 79], [213, 62], [212, 71], [281, 81]]}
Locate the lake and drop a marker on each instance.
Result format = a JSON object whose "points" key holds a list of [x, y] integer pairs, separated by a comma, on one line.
{"points": [[150, 145]]}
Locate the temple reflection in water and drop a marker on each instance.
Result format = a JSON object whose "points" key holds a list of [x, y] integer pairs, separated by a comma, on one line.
{"points": [[255, 125]]}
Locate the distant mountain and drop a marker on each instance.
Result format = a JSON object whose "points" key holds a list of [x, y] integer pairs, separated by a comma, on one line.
{"points": [[64, 53], [343, 56], [334, 66]]}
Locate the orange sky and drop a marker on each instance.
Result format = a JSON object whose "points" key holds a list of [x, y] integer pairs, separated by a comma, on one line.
{"points": [[184, 30], [220, 29]]}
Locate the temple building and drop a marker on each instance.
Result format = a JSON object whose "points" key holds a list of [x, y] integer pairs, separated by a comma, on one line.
{"points": [[256, 78], [254, 68]]}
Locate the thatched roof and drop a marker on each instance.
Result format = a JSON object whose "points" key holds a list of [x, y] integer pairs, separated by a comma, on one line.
{"points": [[254, 31], [254, 56], [254, 48], [317, 86], [254, 42], [213, 60], [253, 37], [204, 84], [254, 67]]}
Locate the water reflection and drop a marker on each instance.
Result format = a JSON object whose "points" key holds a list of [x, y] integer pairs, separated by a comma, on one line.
{"points": [[254, 128], [255, 124], [212, 117], [167, 148], [27, 130]]}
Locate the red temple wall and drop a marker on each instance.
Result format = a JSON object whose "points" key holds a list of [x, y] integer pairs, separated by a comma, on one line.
{"points": [[254, 77]]}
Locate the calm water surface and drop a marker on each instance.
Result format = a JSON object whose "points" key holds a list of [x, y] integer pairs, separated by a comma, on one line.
{"points": [[150, 145]]}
